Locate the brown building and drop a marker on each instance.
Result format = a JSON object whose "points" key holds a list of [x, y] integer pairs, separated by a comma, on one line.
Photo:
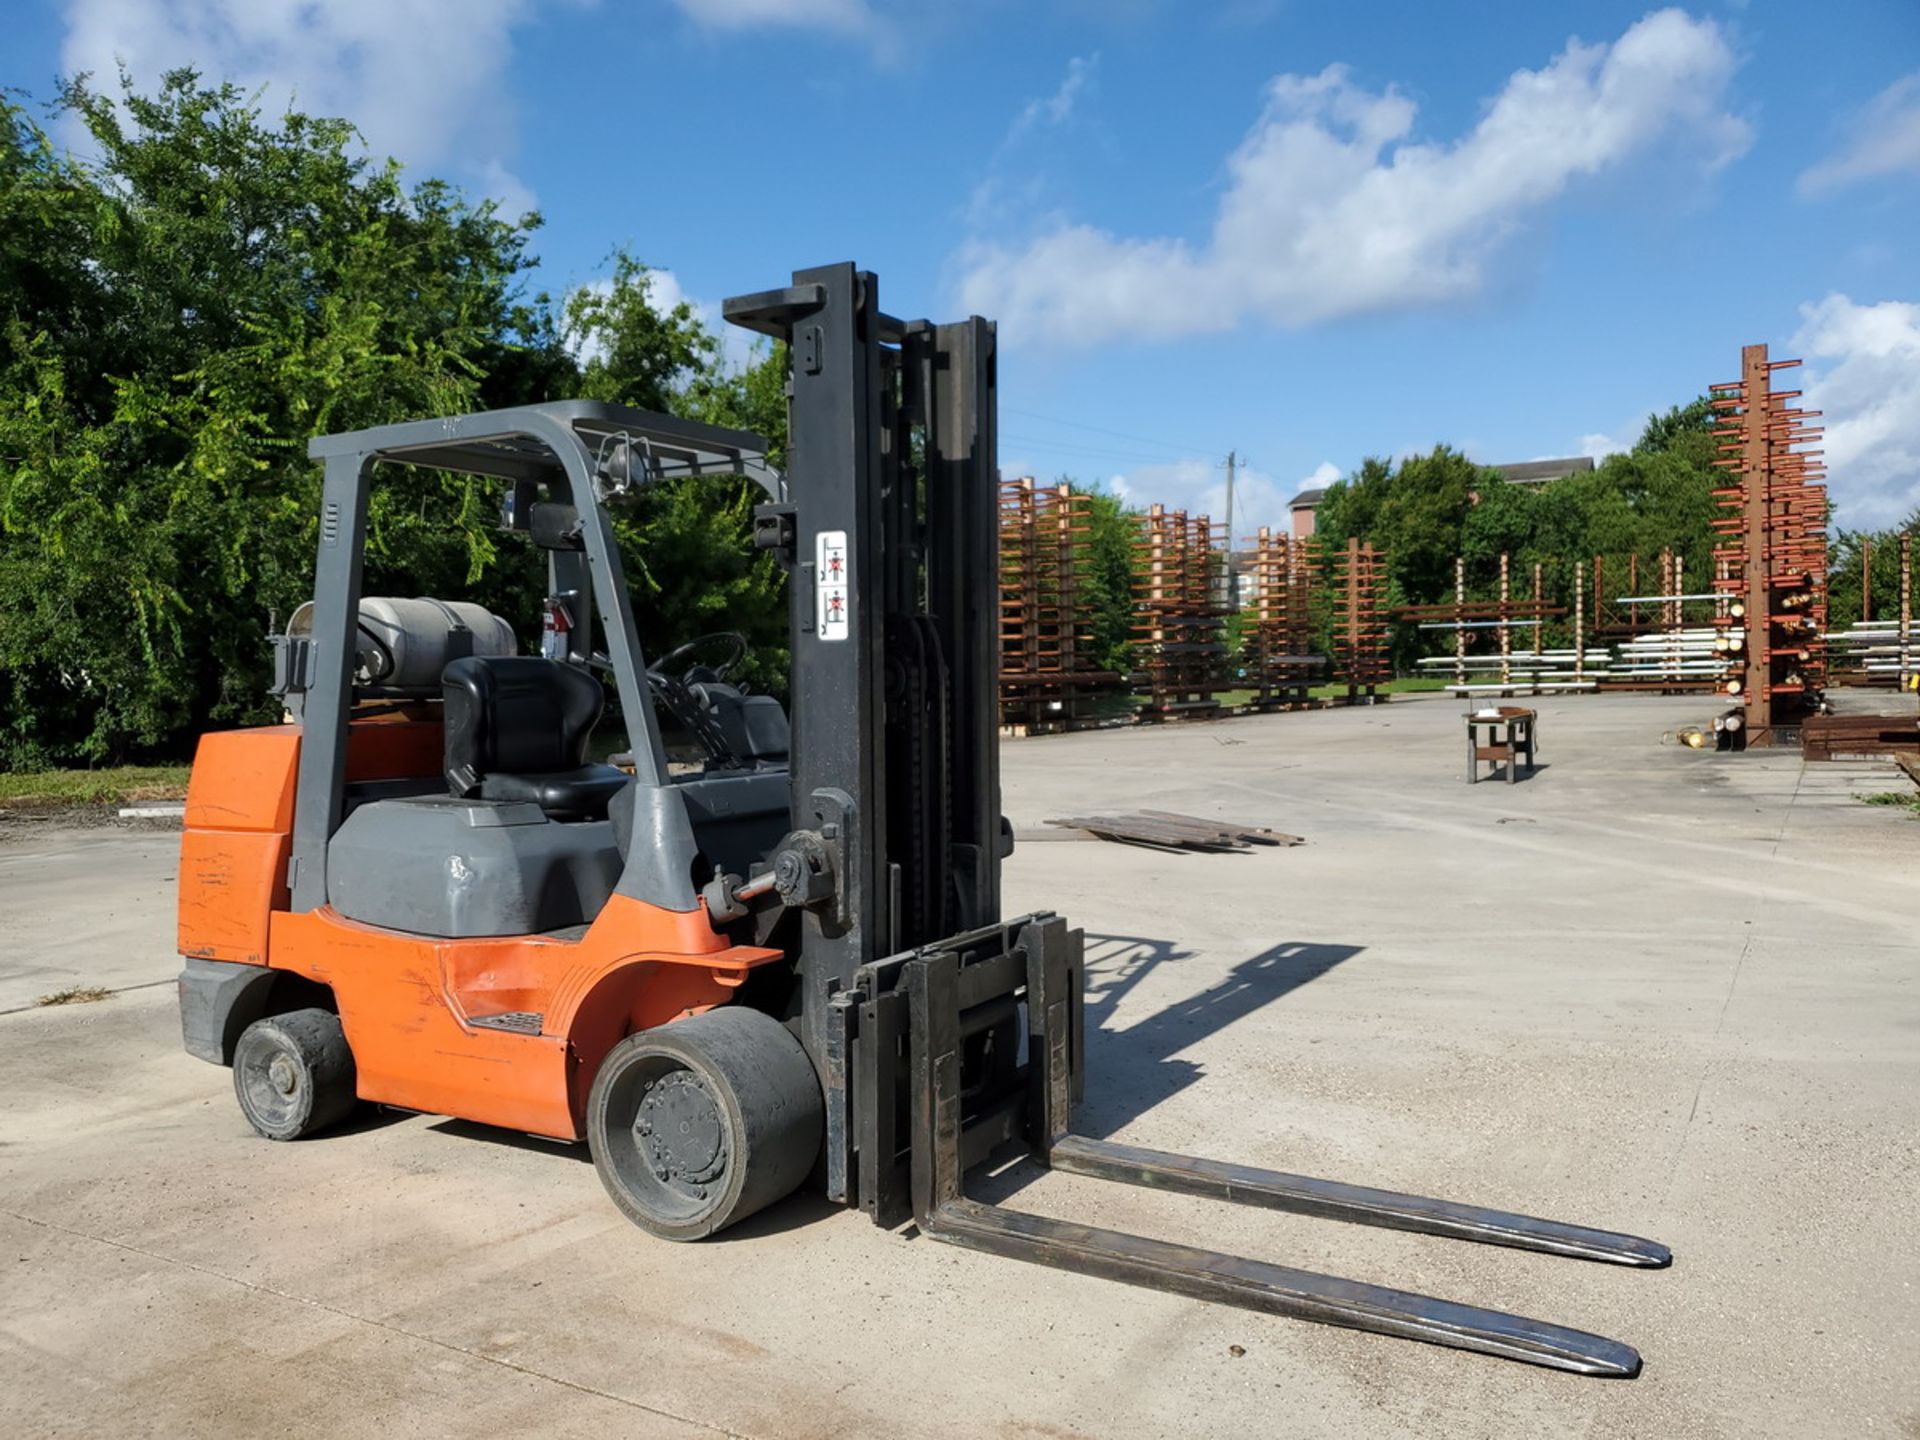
{"points": [[1301, 509]]}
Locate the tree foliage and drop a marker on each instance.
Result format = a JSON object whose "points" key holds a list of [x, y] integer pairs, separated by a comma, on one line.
{"points": [[182, 310], [1430, 508], [688, 543]]}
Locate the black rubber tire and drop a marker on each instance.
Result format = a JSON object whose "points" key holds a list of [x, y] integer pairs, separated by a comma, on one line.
{"points": [[700, 1123], [293, 1074]]}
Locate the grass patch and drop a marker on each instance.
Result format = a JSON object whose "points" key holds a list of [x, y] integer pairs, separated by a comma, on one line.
{"points": [[122, 785], [75, 995], [1405, 685], [1905, 800]]}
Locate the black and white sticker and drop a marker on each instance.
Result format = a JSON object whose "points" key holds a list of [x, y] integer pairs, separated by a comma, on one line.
{"points": [[832, 584]]}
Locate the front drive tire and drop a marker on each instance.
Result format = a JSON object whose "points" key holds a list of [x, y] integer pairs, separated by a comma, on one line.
{"points": [[293, 1074], [698, 1124]]}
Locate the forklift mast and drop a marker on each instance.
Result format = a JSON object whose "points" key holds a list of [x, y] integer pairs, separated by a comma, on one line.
{"points": [[890, 532], [941, 1031]]}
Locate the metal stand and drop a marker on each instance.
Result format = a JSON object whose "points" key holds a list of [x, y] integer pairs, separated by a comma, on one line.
{"points": [[1510, 735]]}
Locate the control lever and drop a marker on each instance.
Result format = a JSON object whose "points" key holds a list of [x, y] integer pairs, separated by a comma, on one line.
{"points": [[801, 875]]}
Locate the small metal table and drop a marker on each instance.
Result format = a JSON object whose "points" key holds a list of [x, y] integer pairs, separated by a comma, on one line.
{"points": [[1509, 734]]}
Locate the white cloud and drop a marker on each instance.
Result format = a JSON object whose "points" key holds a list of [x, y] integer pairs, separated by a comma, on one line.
{"points": [[1057, 108], [1884, 139], [1595, 447], [992, 200], [851, 16], [1324, 474], [1332, 207], [1863, 376], [425, 80]]}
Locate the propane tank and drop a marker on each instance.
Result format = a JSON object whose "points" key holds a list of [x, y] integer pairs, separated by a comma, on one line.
{"points": [[405, 644]]}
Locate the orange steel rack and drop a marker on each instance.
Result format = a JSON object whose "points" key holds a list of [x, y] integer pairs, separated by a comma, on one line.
{"points": [[1357, 578], [1179, 616], [1049, 672], [1280, 663], [1771, 554]]}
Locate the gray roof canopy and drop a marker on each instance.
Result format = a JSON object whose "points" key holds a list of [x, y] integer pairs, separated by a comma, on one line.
{"points": [[1538, 472], [517, 444]]}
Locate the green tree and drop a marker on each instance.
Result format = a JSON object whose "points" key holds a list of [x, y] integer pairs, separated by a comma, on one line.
{"points": [[1108, 583], [1681, 428], [688, 542], [180, 314]]}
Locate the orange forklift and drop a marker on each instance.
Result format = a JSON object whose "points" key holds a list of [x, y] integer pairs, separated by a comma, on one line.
{"points": [[782, 965]]}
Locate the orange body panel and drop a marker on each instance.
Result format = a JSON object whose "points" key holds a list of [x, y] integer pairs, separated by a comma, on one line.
{"points": [[406, 1001], [243, 779], [239, 823], [231, 882], [233, 851]]}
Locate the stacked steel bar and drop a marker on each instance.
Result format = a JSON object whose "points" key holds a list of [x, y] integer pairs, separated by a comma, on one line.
{"points": [[1664, 638], [1179, 617], [1357, 578], [1048, 673], [1280, 663], [1771, 557], [1532, 669]]}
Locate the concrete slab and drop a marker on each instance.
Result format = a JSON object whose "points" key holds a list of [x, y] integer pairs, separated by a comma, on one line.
{"points": [[87, 906], [1653, 989]]}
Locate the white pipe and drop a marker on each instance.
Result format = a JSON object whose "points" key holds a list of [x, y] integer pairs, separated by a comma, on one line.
{"points": [[1652, 599], [1520, 685], [1477, 624]]}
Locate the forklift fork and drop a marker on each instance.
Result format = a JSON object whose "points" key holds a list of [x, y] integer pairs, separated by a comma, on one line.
{"points": [[953, 990]]}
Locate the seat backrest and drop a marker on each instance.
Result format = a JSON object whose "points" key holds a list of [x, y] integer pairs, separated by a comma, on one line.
{"points": [[516, 715], [754, 726]]}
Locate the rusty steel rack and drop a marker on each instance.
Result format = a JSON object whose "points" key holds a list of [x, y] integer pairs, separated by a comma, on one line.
{"points": [[1663, 640], [1049, 672], [1179, 616], [1356, 576], [1646, 605], [1280, 663], [1771, 552], [1503, 669]]}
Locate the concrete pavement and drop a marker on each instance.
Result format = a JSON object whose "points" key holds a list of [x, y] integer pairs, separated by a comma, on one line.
{"points": [[1650, 989]]}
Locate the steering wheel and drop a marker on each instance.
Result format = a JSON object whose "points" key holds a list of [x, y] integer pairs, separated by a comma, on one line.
{"points": [[675, 691], [736, 652]]}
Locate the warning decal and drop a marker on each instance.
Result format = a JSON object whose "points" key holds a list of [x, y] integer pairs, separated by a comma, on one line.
{"points": [[831, 584]]}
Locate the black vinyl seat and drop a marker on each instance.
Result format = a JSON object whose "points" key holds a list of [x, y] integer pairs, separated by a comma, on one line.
{"points": [[517, 729]]}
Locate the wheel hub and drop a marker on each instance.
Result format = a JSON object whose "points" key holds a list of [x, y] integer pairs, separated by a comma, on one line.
{"points": [[282, 1075], [679, 1131]]}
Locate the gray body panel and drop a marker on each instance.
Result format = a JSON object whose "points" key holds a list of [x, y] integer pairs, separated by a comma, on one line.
{"points": [[463, 869], [737, 818], [559, 446], [219, 999]]}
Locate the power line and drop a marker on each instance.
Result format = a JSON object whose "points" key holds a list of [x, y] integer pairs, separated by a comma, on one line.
{"points": [[1072, 448], [1102, 430]]}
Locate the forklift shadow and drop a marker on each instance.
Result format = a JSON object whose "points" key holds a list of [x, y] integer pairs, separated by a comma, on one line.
{"points": [[1133, 1069], [805, 1207]]}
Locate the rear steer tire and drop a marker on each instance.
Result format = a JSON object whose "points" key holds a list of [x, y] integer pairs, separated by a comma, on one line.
{"points": [[698, 1124], [293, 1074]]}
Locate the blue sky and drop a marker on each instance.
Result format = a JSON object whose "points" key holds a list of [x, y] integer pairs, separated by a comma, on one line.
{"points": [[1308, 232]]}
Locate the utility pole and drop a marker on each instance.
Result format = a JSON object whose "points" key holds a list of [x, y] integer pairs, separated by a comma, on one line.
{"points": [[1233, 579]]}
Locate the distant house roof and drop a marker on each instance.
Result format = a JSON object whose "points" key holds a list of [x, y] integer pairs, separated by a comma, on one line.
{"points": [[1539, 472], [1306, 499]]}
